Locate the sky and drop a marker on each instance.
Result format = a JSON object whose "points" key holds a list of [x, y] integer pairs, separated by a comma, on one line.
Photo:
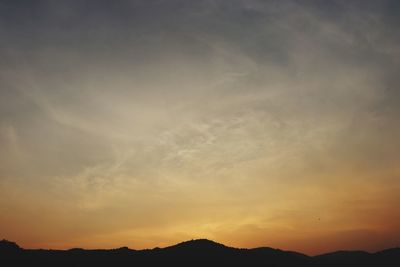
{"points": [[251, 123]]}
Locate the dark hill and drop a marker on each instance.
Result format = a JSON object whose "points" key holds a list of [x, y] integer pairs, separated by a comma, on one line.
{"points": [[202, 244], [201, 252], [8, 247]]}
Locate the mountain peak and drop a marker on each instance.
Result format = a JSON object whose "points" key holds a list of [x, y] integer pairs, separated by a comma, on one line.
{"points": [[199, 244], [6, 245]]}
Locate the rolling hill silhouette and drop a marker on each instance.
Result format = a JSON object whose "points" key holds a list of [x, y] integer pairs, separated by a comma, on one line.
{"points": [[200, 252]]}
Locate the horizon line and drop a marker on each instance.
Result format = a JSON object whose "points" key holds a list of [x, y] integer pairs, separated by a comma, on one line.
{"points": [[203, 239]]}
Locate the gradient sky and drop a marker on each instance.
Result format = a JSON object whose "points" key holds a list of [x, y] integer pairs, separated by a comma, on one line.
{"points": [[252, 123]]}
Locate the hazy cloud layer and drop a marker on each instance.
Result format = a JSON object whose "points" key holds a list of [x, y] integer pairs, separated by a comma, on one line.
{"points": [[142, 123]]}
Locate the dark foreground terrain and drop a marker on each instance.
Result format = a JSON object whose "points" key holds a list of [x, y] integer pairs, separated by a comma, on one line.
{"points": [[200, 252]]}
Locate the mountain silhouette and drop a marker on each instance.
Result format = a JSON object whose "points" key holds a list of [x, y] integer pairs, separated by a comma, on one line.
{"points": [[200, 252], [8, 247]]}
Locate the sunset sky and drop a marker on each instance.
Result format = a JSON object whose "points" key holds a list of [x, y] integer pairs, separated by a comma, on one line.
{"points": [[248, 122]]}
